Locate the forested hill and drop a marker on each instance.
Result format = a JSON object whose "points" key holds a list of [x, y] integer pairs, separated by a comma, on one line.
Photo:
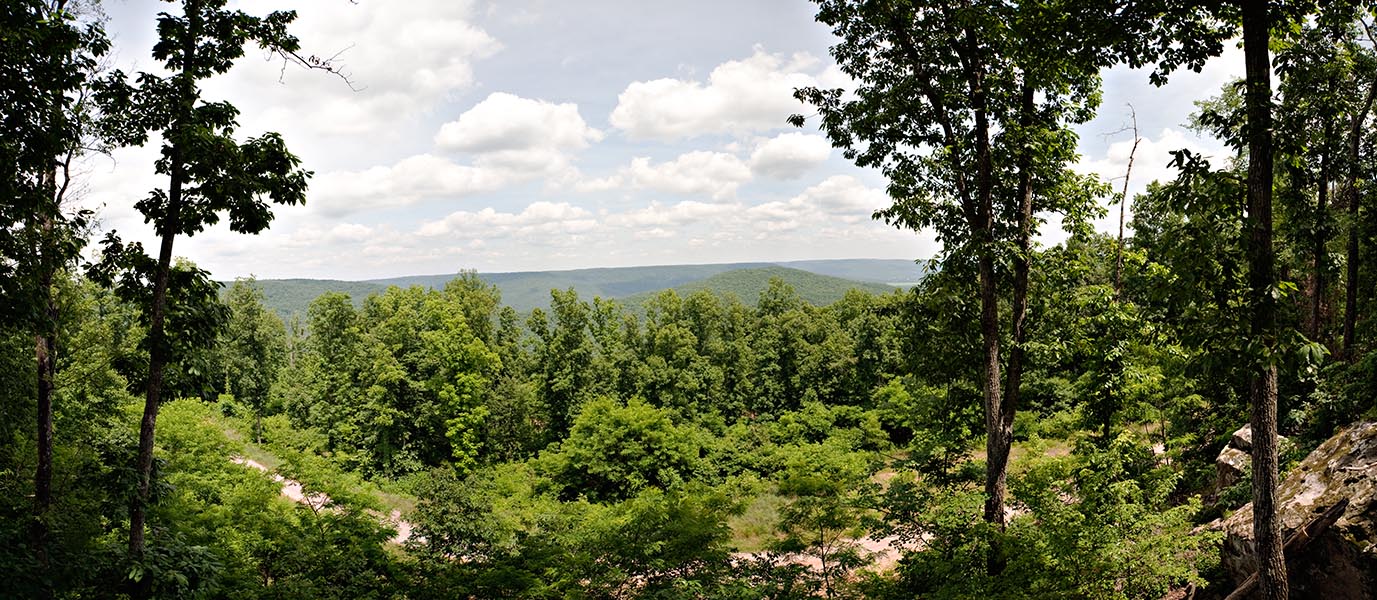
{"points": [[818, 281], [747, 284]]}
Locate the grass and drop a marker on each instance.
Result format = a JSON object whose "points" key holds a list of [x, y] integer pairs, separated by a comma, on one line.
{"points": [[385, 493], [395, 501], [755, 528], [263, 457]]}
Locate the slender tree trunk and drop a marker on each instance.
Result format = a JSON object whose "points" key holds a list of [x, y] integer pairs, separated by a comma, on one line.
{"points": [[1009, 404], [45, 352], [45, 358], [1351, 285], [157, 337], [1355, 131], [157, 362], [1123, 205], [1320, 240], [996, 442], [1261, 281], [1000, 419]]}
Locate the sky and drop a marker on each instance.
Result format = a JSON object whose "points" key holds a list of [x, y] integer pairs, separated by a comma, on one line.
{"points": [[521, 135]]}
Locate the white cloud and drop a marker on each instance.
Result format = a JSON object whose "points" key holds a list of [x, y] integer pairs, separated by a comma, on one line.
{"points": [[522, 137], [1150, 163], [790, 155], [712, 174], [845, 196], [599, 184], [740, 96], [511, 140], [410, 180], [676, 215], [504, 123], [1151, 160], [342, 234], [404, 58], [537, 219], [837, 199], [653, 234], [784, 215]]}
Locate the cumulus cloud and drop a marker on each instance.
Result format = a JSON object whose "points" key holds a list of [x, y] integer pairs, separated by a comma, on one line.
{"points": [[681, 214], [790, 155], [840, 198], [410, 180], [846, 197], [1150, 162], [701, 173], [340, 233], [403, 58], [715, 174], [523, 137], [538, 218], [503, 123], [740, 96], [510, 139]]}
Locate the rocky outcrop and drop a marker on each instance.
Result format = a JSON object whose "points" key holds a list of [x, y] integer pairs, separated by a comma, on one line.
{"points": [[1230, 467], [1235, 459], [1340, 562]]}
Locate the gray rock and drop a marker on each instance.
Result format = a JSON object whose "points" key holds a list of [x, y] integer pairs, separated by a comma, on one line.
{"points": [[1236, 458], [1341, 562], [1243, 438], [1230, 467]]}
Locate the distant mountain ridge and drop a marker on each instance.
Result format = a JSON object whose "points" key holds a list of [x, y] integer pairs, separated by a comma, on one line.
{"points": [[747, 284], [531, 289]]}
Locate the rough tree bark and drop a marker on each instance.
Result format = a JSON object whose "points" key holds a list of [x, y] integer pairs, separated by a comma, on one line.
{"points": [[45, 359], [1261, 281], [1019, 309], [1355, 132], [997, 438], [45, 348], [1321, 238], [157, 363]]}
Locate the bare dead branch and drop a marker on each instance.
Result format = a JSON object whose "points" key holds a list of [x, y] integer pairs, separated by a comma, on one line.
{"points": [[1123, 204], [329, 64]]}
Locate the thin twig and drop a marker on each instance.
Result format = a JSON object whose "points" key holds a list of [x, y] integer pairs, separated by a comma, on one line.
{"points": [[314, 62]]}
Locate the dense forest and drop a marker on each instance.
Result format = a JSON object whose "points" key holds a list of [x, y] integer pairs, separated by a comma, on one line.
{"points": [[1026, 422]]}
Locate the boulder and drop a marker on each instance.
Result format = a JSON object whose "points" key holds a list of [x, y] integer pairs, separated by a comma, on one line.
{"points": [[1230, 467], [1235, 459], [1340, 562], [1243, 438]]}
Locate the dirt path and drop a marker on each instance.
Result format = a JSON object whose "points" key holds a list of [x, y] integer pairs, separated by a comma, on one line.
{"points": [[883, 554], [292, 490]]}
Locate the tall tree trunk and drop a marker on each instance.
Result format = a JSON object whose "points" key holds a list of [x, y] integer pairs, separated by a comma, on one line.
{"points": [[1261, 281], [1320, 240], [1351, 285], [45, 359], [45, 350], [1355, 132], [1009, 404], [996, 442], [157, 362], [157, 337]]}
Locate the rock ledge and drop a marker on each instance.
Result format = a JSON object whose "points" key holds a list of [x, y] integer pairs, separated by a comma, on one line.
{"points": [[1341, 562]]}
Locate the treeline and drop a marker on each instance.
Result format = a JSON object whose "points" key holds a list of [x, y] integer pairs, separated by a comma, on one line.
{"points": [[463, 380]]}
